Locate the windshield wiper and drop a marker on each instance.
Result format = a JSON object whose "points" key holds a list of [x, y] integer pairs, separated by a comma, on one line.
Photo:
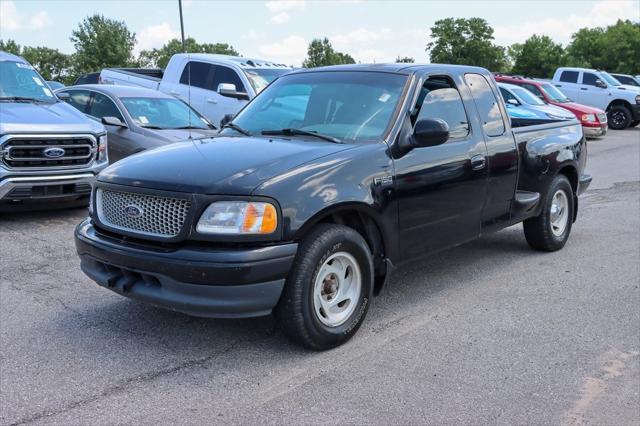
{"points": [[21, 99], [295, 132], [190, 127], [237, 128], [152, 127]]}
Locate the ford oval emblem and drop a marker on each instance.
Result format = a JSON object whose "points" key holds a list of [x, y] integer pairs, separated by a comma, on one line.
{"points": [[53, 152], [133, 211]]}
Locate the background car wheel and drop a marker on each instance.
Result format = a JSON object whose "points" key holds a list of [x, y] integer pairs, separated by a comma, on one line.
{"points": [[634, 123], [619, 117], [550, 230], [329, 288]]}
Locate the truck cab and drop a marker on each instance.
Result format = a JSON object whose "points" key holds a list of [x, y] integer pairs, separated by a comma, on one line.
{"points": [[600, 90], [49, 151], [215, 85]]}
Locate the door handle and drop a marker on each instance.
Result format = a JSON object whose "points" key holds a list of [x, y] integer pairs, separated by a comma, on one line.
{"points": [[478, 162], [583, 88], [212, 101], [174, 92]]}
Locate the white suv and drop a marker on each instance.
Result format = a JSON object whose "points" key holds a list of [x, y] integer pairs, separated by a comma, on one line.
{"points": [[600, 90]]}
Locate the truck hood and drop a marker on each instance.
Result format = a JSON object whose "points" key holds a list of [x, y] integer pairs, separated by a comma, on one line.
{"points": [[57, 117], [177, 135], [578, 108], [222, 165]]}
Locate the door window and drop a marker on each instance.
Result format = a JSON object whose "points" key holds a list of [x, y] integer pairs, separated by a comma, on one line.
{"points": [[487, 104], [226, 75], [102, 106], [507, 95], [197, 74], [569, 76], [439, 98], [79, 99], [589, 79]]}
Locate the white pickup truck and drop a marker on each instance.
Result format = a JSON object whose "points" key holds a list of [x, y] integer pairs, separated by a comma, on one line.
{"points": [[600, 90], [215, 85]]}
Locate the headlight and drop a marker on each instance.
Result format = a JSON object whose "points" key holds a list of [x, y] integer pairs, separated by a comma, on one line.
{"points": [[238, 217], [588, 117], [102, 147], [638, 99]]}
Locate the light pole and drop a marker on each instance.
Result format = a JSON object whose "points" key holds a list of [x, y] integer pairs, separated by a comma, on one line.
{"points": [[181, 24]]}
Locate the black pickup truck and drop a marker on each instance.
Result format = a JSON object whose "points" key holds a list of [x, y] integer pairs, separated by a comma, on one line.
{"points": [[320, 186]]}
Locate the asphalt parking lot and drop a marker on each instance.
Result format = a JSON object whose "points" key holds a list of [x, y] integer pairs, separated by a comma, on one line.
{"points": [[487, 333]]}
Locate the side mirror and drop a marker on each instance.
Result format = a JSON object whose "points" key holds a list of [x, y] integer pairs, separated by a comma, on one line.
{"points": [[225, 119], [113, 121], [229, 90], [601, 84], [430, 132], [513, 102], [63, 96]]}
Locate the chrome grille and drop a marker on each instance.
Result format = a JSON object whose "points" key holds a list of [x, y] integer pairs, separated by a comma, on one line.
{"points": [[141, 213], [602, 117], [47, 151]]}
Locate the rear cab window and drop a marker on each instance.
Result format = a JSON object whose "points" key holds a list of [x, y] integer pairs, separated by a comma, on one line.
{"points": [[486, 104], [569, 76]]}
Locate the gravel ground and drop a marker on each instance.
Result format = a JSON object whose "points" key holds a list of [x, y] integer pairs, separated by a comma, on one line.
{"points": [[487, 333]]}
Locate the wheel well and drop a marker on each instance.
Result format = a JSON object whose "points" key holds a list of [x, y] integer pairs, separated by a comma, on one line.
{"points": [[367, 227], [572, 174], [619, 102]]}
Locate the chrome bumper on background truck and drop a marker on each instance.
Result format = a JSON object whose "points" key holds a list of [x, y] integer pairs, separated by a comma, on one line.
{"points": [[20, 188], [592, 132], [204, 282]]}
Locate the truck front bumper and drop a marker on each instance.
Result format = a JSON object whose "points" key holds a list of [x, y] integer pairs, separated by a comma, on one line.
{"points": [[19, 188], [595, 131], [215, 283]]}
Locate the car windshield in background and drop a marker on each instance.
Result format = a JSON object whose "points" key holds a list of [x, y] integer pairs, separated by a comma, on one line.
{"points": [[349, 106], [526, 96], [609, 79], [163, 113], [553, 93], [261, 77], [20, 82]]}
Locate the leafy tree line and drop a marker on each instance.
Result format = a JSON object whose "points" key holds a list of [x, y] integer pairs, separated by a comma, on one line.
{"points": [[470, 41], [102, 42]]}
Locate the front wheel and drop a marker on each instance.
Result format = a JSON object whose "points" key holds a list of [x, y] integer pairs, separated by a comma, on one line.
{"points": [[329, 288], [550, 230]]}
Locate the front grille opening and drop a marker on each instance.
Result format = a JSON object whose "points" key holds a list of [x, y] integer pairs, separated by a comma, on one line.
{"points": [[48, 191], [23, 153], [141, 213], [122, 279]]}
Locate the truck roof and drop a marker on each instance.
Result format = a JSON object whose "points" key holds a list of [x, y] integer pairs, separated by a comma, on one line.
{"points": [[392, 67], [237, 60], [6, 56], [577, 69]]}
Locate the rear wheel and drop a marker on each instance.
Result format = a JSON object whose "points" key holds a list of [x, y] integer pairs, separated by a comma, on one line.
{"points": [[550, 230], [619, 117], [329, 288]]}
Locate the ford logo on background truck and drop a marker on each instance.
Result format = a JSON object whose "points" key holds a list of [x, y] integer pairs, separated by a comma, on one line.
{"points": [[54, 152]]}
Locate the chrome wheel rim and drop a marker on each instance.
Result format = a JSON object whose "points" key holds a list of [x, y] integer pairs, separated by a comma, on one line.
{"points": [[336, 289], [559, 213]]}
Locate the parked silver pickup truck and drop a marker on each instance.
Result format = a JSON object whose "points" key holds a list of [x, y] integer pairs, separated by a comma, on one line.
{"points": [[49, 151]]}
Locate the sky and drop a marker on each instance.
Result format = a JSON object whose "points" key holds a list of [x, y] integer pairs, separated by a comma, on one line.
{"points": [[370, 31]]}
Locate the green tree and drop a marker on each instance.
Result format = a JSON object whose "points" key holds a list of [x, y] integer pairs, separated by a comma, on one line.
{"points": [[467, 42], [50, 63], [405, 59], [615, 48], [321, 53], [538, 56], [10, 46], [101, 43], [160, 57]]}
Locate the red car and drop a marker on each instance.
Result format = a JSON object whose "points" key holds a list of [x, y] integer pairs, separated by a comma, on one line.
{"points": [[593, 120]]}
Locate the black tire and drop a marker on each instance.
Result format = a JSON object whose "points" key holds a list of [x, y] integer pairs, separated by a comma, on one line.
{"points": [[295, 312], [634, 123], [538, 230], [619, 117]]}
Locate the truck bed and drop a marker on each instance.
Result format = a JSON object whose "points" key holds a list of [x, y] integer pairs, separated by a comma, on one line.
{"points": [[141, 77]]}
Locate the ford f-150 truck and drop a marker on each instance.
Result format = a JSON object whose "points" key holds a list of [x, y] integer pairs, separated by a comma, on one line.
{"points": [[600, 90], [320, 186], [49, 151], [215, 85]]}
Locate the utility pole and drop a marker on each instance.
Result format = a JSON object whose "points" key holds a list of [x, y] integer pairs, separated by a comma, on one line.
{"points": [[181, 25]]}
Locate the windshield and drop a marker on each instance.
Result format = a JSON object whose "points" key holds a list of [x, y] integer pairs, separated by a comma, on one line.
{"points": [[554, 93], [350, 106], [526, 97], [611, 81], [18, 79], [261, 77], [163, 113]]}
